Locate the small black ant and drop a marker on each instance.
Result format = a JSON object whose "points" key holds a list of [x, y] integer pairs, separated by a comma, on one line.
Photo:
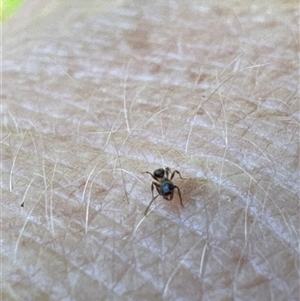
{"points": [[164, 187]]}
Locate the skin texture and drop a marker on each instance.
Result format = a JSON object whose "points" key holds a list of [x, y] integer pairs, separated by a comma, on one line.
{"points": [[95, 94]]}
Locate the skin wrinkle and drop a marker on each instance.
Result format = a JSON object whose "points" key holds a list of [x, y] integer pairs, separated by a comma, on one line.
{"points": [[95, 95]]}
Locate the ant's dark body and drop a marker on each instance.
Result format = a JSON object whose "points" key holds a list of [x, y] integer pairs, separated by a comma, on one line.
{"points": [[164, 185]]}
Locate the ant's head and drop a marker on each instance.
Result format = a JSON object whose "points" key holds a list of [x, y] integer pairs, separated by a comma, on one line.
{"points": [[159, 173]]}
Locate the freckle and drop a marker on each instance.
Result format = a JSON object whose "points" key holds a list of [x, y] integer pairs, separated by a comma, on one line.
{"points": [[200, 112]]}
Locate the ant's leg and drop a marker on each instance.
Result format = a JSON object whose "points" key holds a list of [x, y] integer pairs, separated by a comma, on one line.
{"points": [[157, 187], [173, 174], [153, 176], [168, 170], [146, 211], [179, 193], [152, 188]]}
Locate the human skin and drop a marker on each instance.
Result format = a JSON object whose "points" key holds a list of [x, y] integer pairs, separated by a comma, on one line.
{"points": [[95, 94]]}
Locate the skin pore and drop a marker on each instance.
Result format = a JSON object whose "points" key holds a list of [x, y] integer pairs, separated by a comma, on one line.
{"points": [[95, 95]]}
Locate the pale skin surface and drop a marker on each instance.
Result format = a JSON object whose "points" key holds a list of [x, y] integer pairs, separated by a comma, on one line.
{"points": [[94, 95]]}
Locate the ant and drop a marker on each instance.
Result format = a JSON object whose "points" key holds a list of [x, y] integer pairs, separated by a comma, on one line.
{"points": [[164, 185]]}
